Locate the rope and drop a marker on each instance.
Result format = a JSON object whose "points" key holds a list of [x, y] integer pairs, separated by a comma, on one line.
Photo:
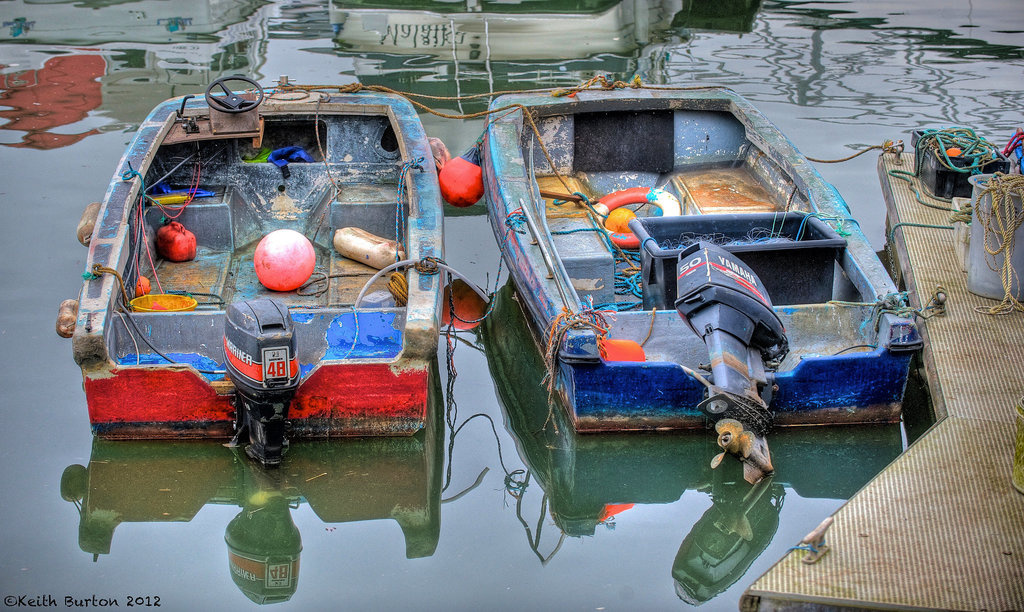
{"points": [[1001, 224], [975, 150], [398, 285], [400, 206], [808, 547], [587, 318], [898, 303], [909, 177], [892, 232], [887, 147], [598, 81], [320, 146], [98, 269], [650, 329]]}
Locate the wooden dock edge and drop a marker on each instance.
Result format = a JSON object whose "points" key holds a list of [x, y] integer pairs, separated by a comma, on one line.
{"points": [[941, 527]]}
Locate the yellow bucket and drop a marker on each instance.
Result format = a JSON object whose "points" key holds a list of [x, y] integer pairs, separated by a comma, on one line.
{"points": [[1018, 449], [163, 302]]}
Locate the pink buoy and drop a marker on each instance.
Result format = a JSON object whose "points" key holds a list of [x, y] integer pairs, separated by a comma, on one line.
{"points": [[284, 260]]}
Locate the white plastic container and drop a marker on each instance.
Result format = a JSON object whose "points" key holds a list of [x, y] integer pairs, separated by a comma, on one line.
{"points": [[366, 248], [984, 271]]}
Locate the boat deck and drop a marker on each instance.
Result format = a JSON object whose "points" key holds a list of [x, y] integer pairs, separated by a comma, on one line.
{"points": [[231, 276], [941, 527]]}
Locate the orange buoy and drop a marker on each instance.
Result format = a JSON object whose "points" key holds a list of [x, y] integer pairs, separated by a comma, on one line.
{"points": [[175, 243], [439, 152], [462, 180], [284, 259], [469, 307], [618, 220], [953, 152], [613, 349], [142, 286]]}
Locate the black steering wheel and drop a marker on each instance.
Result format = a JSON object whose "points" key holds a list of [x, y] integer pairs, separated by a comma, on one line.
{"points": [[231, 102]]}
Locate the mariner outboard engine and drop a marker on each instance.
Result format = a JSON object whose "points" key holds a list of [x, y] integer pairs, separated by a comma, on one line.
{"points": [[724, 302], [259, 343]]}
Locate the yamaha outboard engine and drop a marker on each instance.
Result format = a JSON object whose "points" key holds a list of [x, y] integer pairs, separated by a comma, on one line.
{"points": [[724, 302], [259, 343]]}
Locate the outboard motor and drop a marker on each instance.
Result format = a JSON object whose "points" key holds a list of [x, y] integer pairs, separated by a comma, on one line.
{"points": [[725, 303], [259, 343]]}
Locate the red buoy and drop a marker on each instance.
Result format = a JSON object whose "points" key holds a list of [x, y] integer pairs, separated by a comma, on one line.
{"points": [[613, 349], [175, 243], [462, 180], [284, 259]]}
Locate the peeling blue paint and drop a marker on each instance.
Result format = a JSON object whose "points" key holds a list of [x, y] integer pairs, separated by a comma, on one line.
{"points": [[378, 336], [197, 361]]}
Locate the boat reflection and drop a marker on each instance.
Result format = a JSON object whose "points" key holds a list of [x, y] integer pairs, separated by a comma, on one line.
{"points": [[478, 47], [594, 479], [342, 481]]}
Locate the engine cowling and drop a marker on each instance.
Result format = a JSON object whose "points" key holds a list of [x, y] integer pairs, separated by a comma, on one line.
{"points": [[260, 351]]}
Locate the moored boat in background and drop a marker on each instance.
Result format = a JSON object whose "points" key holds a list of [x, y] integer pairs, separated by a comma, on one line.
{"points": [[754, 299]]}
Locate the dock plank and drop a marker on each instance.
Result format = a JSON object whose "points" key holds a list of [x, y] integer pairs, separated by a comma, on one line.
{"points": [[941, 527]]}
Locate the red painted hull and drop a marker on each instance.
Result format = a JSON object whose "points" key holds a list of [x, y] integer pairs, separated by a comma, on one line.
{"points": [[334, 400]]}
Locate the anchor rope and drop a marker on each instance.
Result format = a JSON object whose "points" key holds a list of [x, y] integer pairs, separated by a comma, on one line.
{"points": [[888, 146]]}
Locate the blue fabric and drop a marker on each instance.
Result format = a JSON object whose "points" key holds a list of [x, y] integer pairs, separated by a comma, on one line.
{"points": [[283, 156], [165, 189]]}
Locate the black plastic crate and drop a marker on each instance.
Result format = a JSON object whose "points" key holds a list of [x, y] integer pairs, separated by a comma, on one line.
{"points": [[793, 271], [942, 182]]}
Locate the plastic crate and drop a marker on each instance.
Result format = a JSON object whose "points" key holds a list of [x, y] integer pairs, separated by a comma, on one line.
{"points": [[944, 183], [793, 271]]}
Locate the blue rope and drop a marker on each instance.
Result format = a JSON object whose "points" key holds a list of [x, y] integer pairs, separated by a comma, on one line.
{"points": [[576, 231], [808, 548], [839, 221]]}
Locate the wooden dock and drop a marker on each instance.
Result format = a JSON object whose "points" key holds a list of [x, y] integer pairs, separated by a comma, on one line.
{"points": [[942, 527]]}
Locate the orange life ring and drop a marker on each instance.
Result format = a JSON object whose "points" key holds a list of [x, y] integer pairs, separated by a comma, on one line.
{"points": [[660, 198]]}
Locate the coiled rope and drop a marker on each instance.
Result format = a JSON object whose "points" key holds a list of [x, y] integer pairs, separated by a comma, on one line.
{"points": [[975, 150], [1001, 223]]}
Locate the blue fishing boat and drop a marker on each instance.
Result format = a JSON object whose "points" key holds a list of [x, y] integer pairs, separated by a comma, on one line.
{"points": [[683, 264]]}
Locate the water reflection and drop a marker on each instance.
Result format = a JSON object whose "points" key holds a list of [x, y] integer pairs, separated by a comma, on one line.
{"points": [[61, 92], [596, 479], [98, 22], [451, 49], [776, 51], [342, 481], [73, 70]]}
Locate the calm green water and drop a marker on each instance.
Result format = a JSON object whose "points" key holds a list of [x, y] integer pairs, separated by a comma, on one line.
{"points": [[554, 521]]}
